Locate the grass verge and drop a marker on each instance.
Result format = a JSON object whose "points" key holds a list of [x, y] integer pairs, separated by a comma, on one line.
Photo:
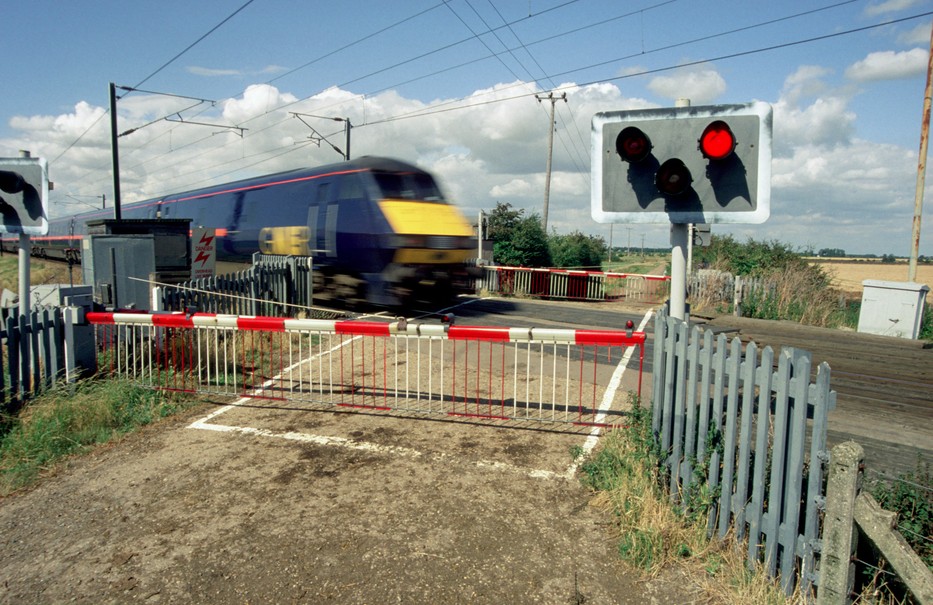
{"points": [[624, 472], [71, 419]]}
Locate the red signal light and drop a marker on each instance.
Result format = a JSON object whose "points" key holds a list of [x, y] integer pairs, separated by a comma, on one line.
{"points": [[717, 141], [673, 177], [633, 144]]}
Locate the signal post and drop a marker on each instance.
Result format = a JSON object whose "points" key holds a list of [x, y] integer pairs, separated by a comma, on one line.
{"points": [[682, 165]]}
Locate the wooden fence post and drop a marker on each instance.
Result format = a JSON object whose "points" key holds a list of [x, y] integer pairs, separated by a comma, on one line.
{"points": [[837, 570]]}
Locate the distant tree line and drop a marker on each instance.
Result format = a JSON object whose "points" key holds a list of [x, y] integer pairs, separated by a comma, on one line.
{"points": [[519, 240]]}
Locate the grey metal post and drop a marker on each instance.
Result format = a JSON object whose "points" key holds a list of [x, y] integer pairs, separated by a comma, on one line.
{"points": [[24, 253], [679, 271], [479, 230], [679, 242], [347, 127], [24, 249], [115, 152]]}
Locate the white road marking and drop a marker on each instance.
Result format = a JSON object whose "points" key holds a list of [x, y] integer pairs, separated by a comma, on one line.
{"points": [[608, 396], [333, 441]]}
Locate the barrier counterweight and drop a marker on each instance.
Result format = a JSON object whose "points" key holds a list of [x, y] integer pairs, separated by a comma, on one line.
{"points": [[480, 373]]}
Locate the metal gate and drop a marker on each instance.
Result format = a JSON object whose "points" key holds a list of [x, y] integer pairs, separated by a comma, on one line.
{"points": [[495, 374]]}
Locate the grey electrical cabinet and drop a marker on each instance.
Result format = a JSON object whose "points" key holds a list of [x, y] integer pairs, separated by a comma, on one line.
{"points": [[118, 267], [124, 259]]}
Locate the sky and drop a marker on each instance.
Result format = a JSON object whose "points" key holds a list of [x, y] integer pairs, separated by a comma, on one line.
{"points": [[218, 90]]}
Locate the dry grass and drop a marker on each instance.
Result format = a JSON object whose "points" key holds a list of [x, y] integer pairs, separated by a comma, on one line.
{"points": [[654, 536], [40, 272]]}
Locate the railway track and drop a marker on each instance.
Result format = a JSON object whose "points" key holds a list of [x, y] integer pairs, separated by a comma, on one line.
{"points": [[884, 387]]}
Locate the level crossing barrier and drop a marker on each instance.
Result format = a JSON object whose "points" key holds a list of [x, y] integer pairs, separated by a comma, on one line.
{"points": [[572, 284], [545, 375]]}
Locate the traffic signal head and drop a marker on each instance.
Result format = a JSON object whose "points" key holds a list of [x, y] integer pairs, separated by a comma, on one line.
{"points": [[24, 194], [704, 164]]}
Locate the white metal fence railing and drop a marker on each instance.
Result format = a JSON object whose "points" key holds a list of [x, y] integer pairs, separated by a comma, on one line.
{"points": [[273, 285], [487, 373], [569, 284], [753, 432]]}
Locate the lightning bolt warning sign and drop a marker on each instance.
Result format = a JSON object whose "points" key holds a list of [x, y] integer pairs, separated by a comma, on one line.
{"points": [[203, 253]]}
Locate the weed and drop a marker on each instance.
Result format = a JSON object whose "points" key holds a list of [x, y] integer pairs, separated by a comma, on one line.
{"points": [[795, 290], [910, 495], [71, 418], [576, 452], [630, 480]]}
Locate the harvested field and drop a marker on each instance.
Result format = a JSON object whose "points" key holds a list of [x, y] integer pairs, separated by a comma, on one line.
{"points": [[848, 275]]}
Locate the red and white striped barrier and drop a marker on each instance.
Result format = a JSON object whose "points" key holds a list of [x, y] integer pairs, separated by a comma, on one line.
{"points": [[484, 372], [610, 338]]}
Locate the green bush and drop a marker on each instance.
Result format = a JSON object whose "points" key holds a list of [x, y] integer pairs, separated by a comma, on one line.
{"points": [[577, 250]]}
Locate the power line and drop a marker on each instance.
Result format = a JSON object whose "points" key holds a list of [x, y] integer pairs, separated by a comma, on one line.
{"points": [[461, 105], [357, 41], [193, 44], [164, 65], [651, 71]]}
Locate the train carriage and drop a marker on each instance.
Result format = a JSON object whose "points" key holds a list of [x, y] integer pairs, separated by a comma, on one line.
{"points": [[379, 229]]}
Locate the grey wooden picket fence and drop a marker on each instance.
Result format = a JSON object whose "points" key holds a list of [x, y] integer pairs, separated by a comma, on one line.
{"points": [[275, 285], [37, 351], [754, 431]]}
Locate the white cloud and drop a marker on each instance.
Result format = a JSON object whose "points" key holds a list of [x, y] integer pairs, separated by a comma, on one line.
{"points": [[828, 185], [919, 34], [807, 81], [701, 85], [257, 99], [513, 188], [890, 6], [827, 122], [210, 72], [888, 65]]}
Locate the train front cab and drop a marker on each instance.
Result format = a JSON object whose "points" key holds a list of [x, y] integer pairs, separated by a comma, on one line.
{"points": [[430, 239]]}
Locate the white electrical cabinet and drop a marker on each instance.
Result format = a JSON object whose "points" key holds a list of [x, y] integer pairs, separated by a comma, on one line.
{"points": [[892, 308]]}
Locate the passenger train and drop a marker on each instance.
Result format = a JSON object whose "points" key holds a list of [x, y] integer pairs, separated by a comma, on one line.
{"points": [[379, 230]]}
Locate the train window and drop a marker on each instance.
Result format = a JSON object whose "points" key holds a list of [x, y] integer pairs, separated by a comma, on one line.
{"points": [[407, 186], [427, 188], [323, 192], [313, 212], [350, 188], [330, 230]]}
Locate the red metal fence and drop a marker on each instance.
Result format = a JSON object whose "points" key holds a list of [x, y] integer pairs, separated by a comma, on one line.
{"points": [[491, 373]]}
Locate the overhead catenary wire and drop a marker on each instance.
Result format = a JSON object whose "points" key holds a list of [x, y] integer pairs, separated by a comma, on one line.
{"points": [[658, 69], [462, 104], [163, 66], [531, 15]]}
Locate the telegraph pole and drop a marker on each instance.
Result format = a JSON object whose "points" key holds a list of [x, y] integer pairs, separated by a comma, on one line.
{"points": [[550, 151], [921, 171]]}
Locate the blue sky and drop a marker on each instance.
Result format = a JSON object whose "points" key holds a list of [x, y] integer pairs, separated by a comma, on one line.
{"points": [[451, 86]]}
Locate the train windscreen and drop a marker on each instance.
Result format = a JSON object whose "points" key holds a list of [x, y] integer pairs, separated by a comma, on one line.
{"points": [[408, 186]]}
